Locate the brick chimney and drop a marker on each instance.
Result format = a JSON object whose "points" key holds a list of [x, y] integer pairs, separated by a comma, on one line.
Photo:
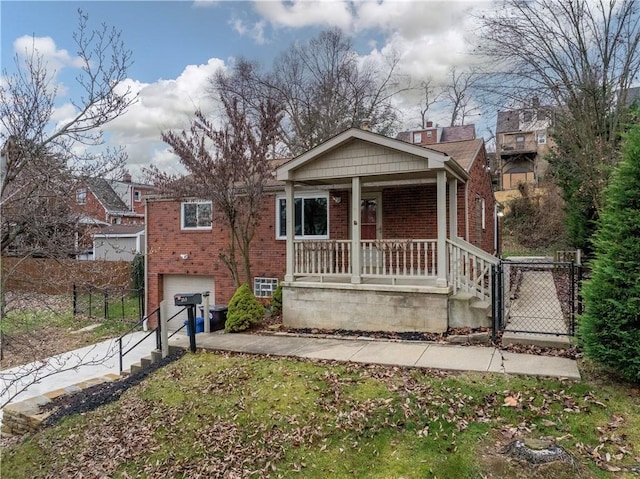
{"points": [[366, 123], [126, 177]]}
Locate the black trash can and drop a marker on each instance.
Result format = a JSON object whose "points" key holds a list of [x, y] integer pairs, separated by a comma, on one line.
{"points": [[217, 316]]}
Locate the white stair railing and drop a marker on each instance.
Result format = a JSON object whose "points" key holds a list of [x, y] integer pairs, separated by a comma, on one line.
{"points": [[470, 268]]}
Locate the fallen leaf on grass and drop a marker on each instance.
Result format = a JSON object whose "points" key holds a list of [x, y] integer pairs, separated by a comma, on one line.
{"points": [[510, 401]]}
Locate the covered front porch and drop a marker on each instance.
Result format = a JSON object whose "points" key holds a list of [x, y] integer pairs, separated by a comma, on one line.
{"points": [[396, 255]]}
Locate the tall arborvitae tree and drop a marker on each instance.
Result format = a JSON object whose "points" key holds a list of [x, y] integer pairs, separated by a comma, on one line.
{"points": [[610, 328]]}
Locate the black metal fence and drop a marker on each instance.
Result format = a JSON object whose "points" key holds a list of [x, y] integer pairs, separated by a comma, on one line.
{"points": [[108, 303], [541, 297]]}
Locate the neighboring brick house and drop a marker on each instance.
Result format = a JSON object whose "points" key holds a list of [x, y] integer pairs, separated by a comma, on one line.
{"points": [[405, 192], [113, 201], [101, 203]]}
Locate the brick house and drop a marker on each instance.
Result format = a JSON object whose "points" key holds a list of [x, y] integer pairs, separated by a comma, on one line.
{"points": [[423, 230], [113, 201], [102, 203]]}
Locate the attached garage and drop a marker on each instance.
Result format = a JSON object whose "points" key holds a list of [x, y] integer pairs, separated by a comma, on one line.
{"points": [[173, 284]]}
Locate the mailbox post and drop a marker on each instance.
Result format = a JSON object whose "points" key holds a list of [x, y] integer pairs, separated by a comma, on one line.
{"points": [[190, 300]]}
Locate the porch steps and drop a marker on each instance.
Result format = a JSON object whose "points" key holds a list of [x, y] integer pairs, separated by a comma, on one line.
{"points": [[154, 357], [468, 311]]}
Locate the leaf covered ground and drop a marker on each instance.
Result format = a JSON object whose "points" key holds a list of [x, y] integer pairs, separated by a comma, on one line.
{"points": [[232, 416]]}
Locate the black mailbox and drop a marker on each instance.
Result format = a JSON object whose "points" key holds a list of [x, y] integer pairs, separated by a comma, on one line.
{"points": [[187, 299]]}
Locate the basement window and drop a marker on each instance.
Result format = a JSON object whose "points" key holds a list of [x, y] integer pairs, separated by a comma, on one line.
{"points": [[264, 287]]}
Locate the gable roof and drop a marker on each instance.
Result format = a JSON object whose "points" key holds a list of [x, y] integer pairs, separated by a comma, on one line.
{"points": [[464, 152], [422, 159], [106, 196]]}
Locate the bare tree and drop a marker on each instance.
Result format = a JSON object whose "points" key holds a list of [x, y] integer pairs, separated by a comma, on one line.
{"points": [[581, 57], [229, 166], [457, 94], [430, 96], [324, 89], [40, 161]]}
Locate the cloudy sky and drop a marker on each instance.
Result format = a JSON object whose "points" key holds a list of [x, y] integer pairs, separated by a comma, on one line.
{"points": [[178, 45]]}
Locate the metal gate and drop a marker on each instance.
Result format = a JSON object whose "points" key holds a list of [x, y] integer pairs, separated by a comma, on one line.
{"points": [[536, 296]]}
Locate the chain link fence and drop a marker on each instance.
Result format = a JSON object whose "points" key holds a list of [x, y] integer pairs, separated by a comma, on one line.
{"points": [[539, 296], [108, 303]]}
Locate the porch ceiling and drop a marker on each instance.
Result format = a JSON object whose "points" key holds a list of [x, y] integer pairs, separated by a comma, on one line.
{"points": [[372, 157]]}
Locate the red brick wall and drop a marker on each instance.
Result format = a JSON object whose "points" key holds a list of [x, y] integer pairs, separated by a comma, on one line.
{"points": [[480, 187], [166, 242], [92, 207]]}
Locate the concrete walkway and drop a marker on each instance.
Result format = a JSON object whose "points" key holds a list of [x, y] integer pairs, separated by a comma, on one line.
{"points": [[537, 308], [406, 353], [68, 369]]}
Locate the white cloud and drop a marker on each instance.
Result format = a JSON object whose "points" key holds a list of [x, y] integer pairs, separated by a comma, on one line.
{"points": [[161, 106], [55, 59], [255, 31], [298, 14]]}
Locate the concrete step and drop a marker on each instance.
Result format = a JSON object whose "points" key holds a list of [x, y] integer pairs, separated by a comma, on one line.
{"points": [[145, 362], [541, 340], [468, 311], [156, 355], [135, 368]]}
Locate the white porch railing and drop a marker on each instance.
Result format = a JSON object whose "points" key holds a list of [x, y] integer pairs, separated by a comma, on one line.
{"points": [[322, 257], [401, 258], [470, 268]]}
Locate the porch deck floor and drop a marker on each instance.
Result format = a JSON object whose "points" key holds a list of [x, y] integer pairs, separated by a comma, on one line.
{"points": [[405, 353]]}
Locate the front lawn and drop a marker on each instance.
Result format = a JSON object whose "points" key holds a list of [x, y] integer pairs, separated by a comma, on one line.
{"points": [[215, 415]]}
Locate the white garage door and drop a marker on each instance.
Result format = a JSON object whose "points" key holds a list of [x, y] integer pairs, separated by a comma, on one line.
{"points": [[176, 284]]}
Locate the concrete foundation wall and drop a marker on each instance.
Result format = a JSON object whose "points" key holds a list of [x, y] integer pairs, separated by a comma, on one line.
{"points": [[329, 307]]}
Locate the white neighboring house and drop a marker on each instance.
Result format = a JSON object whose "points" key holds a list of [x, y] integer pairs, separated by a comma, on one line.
{"points": [[118, 242]]}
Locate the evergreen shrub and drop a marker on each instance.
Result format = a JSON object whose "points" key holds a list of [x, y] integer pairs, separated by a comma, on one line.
{"points": [[609, 330], [244, 310], [276, 301]]}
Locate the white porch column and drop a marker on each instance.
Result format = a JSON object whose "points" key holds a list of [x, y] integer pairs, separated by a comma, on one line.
{"points": [[441, 204], [290, 213], [356, 251], [453, 209]]}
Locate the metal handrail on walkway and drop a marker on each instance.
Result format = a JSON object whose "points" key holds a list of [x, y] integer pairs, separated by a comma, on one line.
{"points": [[157, 330]]}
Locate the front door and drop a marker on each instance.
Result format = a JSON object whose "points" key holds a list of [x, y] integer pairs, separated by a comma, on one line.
{"points": [[369, 219], [372, 258]]}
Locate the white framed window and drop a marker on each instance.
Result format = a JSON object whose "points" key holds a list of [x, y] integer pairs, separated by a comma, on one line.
{"points": [[417, 137], [196, 215], [429, 134], [542, 138], [484, 214], [137, 195], [264, 287], [311, 216], [81, 196]]}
